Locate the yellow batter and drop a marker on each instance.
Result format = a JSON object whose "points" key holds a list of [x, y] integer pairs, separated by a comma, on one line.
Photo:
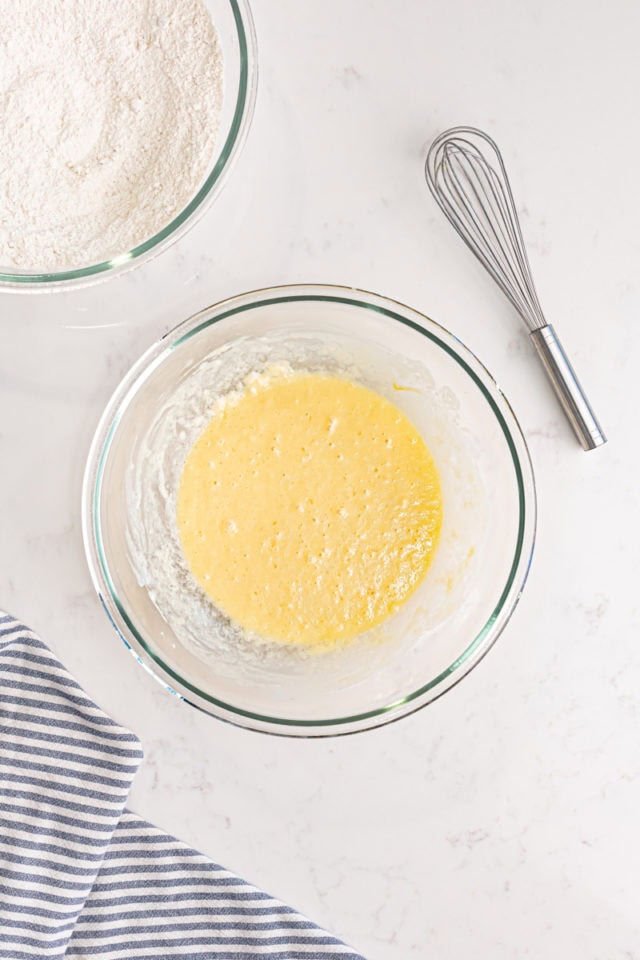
{"points": [[309, 509]]}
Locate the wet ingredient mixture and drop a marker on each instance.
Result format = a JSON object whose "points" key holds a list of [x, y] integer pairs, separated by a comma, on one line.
{"points": [[309, 509]]}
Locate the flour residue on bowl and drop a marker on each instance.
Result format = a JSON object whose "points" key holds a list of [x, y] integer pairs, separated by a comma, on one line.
{"points": [[110, 112]]}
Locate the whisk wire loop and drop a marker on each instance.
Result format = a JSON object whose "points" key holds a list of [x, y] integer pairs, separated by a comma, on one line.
{"points": [[485, 229], [476, 197]]}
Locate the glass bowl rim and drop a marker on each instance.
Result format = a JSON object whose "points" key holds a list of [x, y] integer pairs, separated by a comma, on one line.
{"points": [[239, 716], [33, 281]]}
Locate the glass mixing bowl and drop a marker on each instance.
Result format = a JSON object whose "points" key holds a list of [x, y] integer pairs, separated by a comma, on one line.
{"points": [[480, 565], [234, 26]]}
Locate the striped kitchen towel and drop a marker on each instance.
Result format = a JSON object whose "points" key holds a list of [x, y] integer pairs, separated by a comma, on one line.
{"points": [[80, 875]]}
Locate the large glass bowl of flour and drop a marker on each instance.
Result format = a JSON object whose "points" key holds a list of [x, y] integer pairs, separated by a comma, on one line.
{"points": [[122, 123], [393, 668]]}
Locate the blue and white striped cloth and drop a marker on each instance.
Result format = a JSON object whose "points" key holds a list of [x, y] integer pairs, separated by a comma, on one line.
{"points": [[80, 875]]}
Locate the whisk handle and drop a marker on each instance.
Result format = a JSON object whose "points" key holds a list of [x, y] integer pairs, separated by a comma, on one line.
{"points": [[567, 387]]}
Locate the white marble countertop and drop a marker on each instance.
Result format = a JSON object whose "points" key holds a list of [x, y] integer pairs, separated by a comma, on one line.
{"points": [[501, 821]]}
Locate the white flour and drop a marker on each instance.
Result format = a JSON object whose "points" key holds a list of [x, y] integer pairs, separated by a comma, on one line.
{"points": [[110, 110]]}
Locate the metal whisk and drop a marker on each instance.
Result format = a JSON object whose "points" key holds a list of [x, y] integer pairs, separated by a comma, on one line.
{"points": [[467, 177]]}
